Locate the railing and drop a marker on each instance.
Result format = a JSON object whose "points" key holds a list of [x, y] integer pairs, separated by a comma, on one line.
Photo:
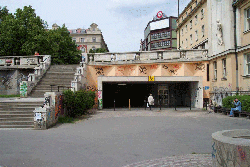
{"points": [[80, 75], [149, 56], [43, 64]]}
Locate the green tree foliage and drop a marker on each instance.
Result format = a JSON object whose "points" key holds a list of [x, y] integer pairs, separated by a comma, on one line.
{"points": [[24, 33], [77, 103], [227, 102]]}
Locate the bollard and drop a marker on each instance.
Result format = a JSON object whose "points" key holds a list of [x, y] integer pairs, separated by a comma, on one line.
{"points": [[160, 104], [190, 103], [129, 104], [145, 103]]}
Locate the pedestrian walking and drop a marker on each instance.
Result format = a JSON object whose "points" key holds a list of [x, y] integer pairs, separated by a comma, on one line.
{"points": [[150, 101]]}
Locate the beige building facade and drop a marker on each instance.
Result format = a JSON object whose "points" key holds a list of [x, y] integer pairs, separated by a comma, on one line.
{"points": [[222, 27], [87, 39]]}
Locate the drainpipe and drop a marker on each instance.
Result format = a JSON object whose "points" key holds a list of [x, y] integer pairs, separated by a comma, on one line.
{"points": [[235, 49]]}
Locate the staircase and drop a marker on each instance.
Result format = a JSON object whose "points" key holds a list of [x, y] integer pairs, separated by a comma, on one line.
{"points": [[18, 113], [59, 75]]}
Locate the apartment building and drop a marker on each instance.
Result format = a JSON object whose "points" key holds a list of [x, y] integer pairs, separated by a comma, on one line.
{"points": [[192, 26], [87, 39], [160, 33], [222, 27]]}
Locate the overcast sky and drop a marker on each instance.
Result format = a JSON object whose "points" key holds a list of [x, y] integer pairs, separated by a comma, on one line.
{"points": [[122, 22]]}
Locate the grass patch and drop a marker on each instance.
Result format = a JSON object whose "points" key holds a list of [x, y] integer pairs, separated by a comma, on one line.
{"points": [[65, 119], [8, 96]]}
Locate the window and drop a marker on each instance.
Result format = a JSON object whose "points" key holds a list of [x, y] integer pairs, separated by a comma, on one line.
{"points": [[163, 34], [93, 39], [186, 28], [74, 39], [202, 13], [247, 64], [186, 43], [182, 44], [82, 39], [247, 19], [196, 19], [196, 2], [202, 31], [159, 35], [167, 34], [224, 68], [168, 43], [191, 39], [196, 35], [191, 8], [215, 70], [191, 24], [182, 32]]}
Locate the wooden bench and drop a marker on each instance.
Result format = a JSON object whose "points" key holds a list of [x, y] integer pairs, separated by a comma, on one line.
{"points": [[240, 114], [226, 111]]}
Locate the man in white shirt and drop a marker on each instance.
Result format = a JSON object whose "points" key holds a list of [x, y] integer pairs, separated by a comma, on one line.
{"points": [[150, 101]]}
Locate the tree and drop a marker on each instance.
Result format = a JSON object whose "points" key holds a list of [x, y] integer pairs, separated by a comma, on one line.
{"points": [[24, 33], [63, 49]]}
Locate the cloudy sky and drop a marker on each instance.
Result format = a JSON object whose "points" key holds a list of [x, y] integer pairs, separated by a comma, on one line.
{"points": [[122, 22]]}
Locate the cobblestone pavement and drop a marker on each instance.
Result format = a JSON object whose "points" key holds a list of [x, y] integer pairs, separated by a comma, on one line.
{"points": [[197, 160]]}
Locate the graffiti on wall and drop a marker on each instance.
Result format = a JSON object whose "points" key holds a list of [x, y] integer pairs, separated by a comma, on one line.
{"points": [[23, 89], [120, 71], [143, 69], [154, 66], [91, 87], [174, 69], [58, 105], [199, 66], [99, 71], [242, 154], [213, 150], [165, 67], [100, 103]]}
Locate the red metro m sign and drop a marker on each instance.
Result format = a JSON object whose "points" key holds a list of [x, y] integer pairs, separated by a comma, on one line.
{"points": [[159, 14]]}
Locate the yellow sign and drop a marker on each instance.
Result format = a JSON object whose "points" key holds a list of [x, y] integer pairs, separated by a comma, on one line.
{"points": [[151, 78]]}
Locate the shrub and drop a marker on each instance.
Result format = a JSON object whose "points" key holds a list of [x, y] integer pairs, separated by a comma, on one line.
{"points": [[77, 103], [244, 99]]}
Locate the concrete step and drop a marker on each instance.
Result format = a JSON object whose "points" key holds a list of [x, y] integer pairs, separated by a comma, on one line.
{"points": [[17, 123], [14, 115], [17, 126], [16, 119], [17, 108]]}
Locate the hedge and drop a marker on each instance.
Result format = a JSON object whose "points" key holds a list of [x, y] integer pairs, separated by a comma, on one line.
{"points": [[77, 103], [244, 99]]}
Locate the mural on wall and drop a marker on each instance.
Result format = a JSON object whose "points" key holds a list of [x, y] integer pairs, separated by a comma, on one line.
{"points": [[199, 66], [99, 71], [143, 69]]}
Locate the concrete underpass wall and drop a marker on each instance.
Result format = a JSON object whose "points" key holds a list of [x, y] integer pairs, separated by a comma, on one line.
{"points": [[195, 84], [172, 70]]}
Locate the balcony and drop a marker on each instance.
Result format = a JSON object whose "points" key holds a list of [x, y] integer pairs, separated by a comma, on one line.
{"points": [[147, 57]]}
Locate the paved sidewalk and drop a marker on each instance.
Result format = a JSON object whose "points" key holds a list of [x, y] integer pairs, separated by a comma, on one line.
{"points": [[201, 160]]}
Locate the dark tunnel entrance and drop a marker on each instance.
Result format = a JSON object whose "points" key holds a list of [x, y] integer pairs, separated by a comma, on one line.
{"points": [[168, 94]]}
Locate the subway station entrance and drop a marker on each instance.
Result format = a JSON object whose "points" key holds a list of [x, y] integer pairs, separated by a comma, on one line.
{"points": [[167, 92]]}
